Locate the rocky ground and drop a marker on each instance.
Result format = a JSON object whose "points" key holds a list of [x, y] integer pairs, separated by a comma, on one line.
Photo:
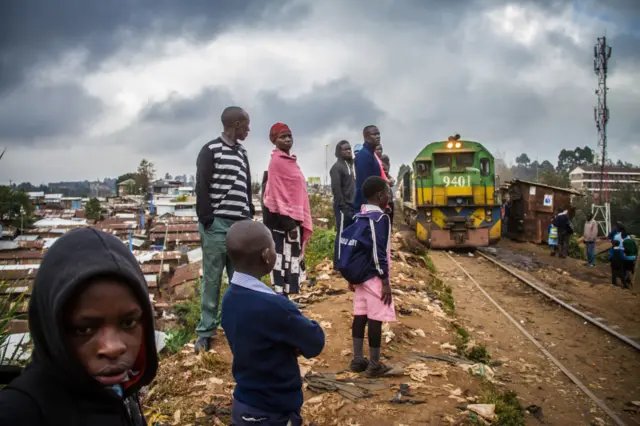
{"points": [[458, 360]]}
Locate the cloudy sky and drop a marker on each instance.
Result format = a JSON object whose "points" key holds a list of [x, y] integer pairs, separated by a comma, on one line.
{"points": [[89, 88]]}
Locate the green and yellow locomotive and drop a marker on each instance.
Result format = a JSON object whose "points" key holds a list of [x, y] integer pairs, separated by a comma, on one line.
{"points": [[448, 196]]}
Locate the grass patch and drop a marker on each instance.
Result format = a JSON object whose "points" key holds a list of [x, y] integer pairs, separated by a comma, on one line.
{"points": [[431, 267], [438, 289], [479, 353], [509, 412], [461, 339], [320, 247], [188, 313], [444, 294]]}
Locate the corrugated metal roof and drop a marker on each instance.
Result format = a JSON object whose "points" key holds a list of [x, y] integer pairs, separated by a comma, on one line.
{"points": [[51, 222], [9, 245], [542, 185]]}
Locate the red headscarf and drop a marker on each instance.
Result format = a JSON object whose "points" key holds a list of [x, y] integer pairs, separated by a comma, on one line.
{"points": [[278, 129]]}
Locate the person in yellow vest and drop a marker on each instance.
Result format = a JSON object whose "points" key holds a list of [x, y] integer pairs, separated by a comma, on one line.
{"points": [[553, 238]]}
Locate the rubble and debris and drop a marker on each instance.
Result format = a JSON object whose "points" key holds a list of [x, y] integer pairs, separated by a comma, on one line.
{"points": [[486, 411], [352, 389]]}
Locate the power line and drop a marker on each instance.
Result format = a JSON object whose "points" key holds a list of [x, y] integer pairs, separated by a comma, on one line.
{"points": [[601, 55]]}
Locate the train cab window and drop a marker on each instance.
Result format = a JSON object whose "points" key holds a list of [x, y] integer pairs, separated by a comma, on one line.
{"points": [[423, 168], [442, 160], [484, 166], [464, 159]]}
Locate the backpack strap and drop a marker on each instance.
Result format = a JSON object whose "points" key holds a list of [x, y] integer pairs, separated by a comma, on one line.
{"points": [[376, 260]]}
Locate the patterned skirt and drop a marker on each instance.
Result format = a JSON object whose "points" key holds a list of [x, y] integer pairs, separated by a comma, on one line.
{"points": [[288, 272]]}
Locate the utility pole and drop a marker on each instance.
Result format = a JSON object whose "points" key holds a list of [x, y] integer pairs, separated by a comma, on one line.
{"points": [[601, 55], [326, 164]]}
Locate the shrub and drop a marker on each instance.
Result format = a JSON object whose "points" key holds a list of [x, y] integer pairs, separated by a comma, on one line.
{"points": [[320, 247]]}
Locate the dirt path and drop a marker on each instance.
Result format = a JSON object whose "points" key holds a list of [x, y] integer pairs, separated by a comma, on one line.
{"points": [[610, 369], [589, 289], [191, 390]]}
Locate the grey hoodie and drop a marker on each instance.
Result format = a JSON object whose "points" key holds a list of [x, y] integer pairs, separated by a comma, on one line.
{"points": [[343, 184]]}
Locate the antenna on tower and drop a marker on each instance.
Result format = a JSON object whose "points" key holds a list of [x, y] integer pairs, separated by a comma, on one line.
{"points": [[601, 55]]}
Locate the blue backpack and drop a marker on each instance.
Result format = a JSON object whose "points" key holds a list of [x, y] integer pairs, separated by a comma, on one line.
{"points": [[357, 248]]}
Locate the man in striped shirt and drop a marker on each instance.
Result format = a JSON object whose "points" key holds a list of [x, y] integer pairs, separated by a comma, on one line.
{"points": [[223, 196]]}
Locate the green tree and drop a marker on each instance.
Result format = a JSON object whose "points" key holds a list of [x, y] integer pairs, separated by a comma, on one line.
{"points": [[126, 177], [569, 159], [93, 210], [15, 207], [146, 175], [523, 160]]}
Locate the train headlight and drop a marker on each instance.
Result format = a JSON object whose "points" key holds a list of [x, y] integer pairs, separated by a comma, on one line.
{"points": [[458, 144], [429, 213], [459, 200], [488, 216], [450, 145]]}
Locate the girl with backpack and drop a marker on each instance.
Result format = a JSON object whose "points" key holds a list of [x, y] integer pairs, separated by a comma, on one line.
{"points": [[364, 262]]}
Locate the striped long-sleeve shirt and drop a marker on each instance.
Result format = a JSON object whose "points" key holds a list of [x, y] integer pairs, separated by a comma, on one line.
{"points": [[223, 182]]}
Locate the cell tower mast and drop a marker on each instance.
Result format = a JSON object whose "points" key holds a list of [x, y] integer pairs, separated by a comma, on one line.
{"points": [[601, 55]]}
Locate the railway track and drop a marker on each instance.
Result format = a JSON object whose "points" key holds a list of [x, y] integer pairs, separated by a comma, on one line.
{"points": [[572, 335]]}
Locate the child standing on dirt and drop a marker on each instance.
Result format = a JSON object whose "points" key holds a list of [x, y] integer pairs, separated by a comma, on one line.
{"points": [[553, 239], [364, 262], [616, 257], [266, 333]]}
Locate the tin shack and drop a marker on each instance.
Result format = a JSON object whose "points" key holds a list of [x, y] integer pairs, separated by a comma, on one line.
{"points": [[532, 208]]}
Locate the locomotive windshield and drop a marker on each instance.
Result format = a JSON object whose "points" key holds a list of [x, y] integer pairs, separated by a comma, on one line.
{"points": [[442, 160], [464, 159]]}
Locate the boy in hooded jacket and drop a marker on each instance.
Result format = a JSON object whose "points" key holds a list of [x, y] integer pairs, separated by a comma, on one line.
{"points": [[92, 327]]}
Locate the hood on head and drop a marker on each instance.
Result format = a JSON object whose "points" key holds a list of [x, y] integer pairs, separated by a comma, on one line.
{"points": [[76, 257]]}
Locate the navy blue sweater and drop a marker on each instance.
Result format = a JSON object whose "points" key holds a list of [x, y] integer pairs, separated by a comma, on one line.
{"points": [[366, 165], [265, 331]]}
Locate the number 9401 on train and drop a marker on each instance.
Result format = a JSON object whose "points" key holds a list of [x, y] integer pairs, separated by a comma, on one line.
{"points": [[449, 195]]}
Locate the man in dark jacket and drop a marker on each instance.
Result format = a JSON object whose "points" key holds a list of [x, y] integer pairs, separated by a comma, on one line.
{"points": [[565, 230], [223, 196], [91, 322], [366, 163], [343, 184]]}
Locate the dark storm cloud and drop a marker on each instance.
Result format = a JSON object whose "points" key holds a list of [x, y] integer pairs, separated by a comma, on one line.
{"points": [[31, 114], [179, 109], [327, 106], [37, 31], [169, 125]]}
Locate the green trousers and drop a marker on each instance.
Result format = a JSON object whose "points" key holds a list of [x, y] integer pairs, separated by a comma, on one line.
{"points": [[214, 262]]}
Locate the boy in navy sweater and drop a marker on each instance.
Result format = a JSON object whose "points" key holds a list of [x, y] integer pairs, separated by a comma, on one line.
{"points": [[366, 266], [266, 333]]}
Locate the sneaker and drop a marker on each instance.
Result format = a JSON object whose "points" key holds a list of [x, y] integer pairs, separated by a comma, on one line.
{"points": [[359, 365], [377, 370], [202, 344]]}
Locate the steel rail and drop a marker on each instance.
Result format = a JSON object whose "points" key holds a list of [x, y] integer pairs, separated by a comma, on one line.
{"points": [[553, 359], [584, 316]]}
